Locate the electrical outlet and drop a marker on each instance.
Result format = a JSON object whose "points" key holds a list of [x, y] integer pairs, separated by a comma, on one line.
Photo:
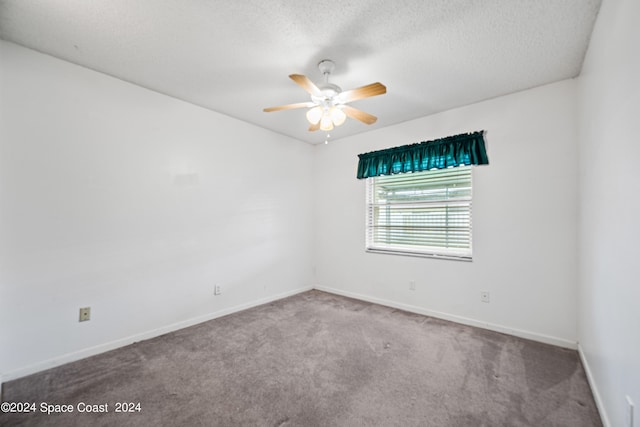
{"points": [[217, 290], [629, 411], [85, 314], [484, 296], [412, 285]]}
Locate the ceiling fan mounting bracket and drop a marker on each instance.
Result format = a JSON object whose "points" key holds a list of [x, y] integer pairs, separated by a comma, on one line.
{"points": [[326, 66]]}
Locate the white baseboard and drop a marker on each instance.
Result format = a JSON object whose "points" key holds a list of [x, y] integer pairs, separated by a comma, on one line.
{"points": [[92, 351], [560, 342], [594, 388]]}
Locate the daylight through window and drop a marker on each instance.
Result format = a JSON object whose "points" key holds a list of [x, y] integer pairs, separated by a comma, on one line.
{"points": [[421, 213]]}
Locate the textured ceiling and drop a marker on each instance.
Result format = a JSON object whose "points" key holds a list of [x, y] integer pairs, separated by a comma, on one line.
{"points": [[234, 57]]}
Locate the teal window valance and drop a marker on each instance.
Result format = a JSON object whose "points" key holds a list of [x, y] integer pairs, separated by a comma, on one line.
{"points": [[457, 150]]}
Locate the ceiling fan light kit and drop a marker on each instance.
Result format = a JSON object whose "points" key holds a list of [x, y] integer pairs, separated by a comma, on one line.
{"points": [[337, 115], [328, 102], [314, 115]]}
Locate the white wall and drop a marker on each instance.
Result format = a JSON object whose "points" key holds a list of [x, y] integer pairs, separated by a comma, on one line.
{"points": [[524, 220], [136, 204], [609, 314]]}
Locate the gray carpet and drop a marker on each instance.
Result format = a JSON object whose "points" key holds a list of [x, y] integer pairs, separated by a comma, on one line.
{"points": [[317, 359]]}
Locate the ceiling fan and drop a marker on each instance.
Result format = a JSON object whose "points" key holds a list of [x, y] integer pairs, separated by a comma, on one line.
{"points": [[328, 106]]}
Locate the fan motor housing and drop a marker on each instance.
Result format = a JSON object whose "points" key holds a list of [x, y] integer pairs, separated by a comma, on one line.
{"points": [[328, 91]]}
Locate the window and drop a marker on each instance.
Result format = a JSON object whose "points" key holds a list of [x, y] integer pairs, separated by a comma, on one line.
{"points": [[421, 213]]}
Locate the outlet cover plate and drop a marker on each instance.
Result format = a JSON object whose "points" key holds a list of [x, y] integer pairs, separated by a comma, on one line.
{"points": [[85, 314], [485, 296]]}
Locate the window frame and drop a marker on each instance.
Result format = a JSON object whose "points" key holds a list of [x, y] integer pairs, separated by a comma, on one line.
{"points": [[442, 252]]}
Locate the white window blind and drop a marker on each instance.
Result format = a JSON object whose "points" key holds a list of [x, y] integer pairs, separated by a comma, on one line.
{"points": [[422, 213]]}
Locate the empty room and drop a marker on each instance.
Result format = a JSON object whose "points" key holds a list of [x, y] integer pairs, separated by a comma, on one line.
{"points": [[355, 213]]}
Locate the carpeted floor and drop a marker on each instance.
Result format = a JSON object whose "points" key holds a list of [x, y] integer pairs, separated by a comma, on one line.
{"points": [[317, 359]]}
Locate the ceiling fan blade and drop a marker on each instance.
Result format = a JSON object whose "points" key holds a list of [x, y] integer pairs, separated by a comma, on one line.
{"points": [[289, 107], [362, 92], [313, 127], [354, 113], [306, 84]]}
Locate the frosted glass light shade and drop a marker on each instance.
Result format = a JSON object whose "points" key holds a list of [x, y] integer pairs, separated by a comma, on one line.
{"points": [[314, 115], [325, 123], [337, 116]]}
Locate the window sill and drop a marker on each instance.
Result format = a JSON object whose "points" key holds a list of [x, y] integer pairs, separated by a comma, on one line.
{"points": [[466, 258]]}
